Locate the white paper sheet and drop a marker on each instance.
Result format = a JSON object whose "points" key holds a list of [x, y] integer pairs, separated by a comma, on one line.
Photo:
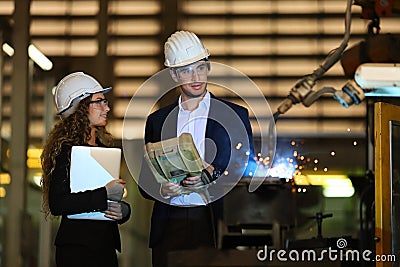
{"points": [[91, 168]]}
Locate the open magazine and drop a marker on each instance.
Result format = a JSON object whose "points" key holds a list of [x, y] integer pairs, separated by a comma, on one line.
{"points": [[174, 159]]}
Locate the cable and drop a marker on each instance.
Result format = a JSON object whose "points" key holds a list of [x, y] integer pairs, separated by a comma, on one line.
{"points": [[315, 95], [301, 90], [335, 56]]}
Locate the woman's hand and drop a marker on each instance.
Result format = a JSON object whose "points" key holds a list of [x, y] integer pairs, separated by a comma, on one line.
{"points": [[115, 189], [114, 211]]}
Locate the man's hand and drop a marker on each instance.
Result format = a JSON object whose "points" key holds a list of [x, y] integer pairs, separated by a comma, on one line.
{"points": [[210, 169], [170, 189], [192, 181]]}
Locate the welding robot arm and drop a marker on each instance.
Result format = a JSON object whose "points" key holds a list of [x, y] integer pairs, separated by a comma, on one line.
{"points": [[370, 79], [302, 91], [379, 78]]}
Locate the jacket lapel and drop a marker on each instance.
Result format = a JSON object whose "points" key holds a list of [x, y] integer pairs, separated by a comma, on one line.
{"points": [[169, 125]]}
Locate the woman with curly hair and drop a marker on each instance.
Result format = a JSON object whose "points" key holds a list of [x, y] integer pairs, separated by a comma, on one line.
{"points": [[83, 109]]}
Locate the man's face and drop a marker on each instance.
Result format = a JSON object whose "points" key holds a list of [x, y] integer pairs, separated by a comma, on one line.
{"points": [[194, 78]]}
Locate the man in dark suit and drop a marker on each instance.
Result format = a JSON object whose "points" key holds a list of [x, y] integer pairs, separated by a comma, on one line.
{"points": [[222, 134]]}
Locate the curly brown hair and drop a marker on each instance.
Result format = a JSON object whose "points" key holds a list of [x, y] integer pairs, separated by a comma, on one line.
{"points": [[73, 130]]}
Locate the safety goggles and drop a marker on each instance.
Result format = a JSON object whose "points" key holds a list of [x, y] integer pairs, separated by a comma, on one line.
{"points": [[103, 103], [186, 73]]}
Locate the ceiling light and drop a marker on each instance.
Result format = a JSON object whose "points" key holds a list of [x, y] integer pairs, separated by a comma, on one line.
{"points": [[5, 178], [8, 49], [39, 58], [2, 192], [34, 53]]}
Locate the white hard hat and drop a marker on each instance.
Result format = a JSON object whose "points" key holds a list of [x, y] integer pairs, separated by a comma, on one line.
{"points": [[183, 48], [72, 89]]}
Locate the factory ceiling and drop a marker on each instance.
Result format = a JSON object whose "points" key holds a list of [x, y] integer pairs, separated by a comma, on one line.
{"points": [[274, 43]]}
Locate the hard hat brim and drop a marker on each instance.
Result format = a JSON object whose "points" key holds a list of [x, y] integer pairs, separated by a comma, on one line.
{"points": [[187, 62], [102, 90]]}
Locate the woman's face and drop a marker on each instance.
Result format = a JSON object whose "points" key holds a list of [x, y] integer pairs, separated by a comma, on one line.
{"points": [[98, 110]]}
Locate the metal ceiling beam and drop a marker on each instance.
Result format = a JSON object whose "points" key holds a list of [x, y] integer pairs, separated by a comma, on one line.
{"points": [[17, 218]]}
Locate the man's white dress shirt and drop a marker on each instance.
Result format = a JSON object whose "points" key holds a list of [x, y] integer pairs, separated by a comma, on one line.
{"points": [[193, 122]]}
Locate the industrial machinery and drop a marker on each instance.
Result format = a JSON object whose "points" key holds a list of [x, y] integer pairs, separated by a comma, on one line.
{"points": [[378, 79], [373, 69]]}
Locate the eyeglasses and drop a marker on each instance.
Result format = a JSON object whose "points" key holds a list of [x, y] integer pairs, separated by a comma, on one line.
{"points": [[186, 73], [100, 102]]}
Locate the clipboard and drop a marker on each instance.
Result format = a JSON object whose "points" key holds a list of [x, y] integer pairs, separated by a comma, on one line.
{"points": [[91, 168]]}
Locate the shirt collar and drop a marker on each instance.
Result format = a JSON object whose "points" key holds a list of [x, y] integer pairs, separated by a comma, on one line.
{"points": [[204, 103]]}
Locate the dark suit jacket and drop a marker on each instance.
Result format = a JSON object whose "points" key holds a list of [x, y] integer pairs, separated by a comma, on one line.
{"points": [[92, 234], [226, 123]]}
